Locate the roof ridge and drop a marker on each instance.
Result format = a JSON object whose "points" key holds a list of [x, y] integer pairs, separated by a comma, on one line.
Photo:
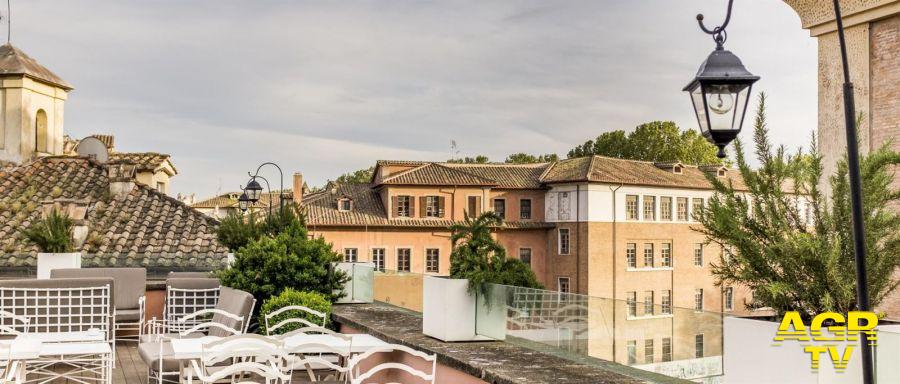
{"points": [[590, 168], [548, 169]]}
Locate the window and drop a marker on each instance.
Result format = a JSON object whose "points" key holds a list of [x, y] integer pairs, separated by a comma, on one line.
{"points": [[378, 258], [648, 351], [563, 284], [666, 302], [403, 256], [666, 254], [631, 207], [525, 255], [161, 187], [648, 255], [474, 206], [41, 132], [648, 303], [666, 349], [500, 208], [650, 208], [525, 209], [350, 255], [682, 207], [698, 346], [563, 205], [403, 206], [432, 260], [698, 254], [729, 298], [433, 206], [697, 206], [345, 205], [632, 352], [631, 255], [698, 299], [564, 241], [665, 208], [631, 303]]}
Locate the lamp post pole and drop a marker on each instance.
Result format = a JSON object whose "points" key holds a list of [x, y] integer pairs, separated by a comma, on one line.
{"points": [[280, 190], [859, 230]]}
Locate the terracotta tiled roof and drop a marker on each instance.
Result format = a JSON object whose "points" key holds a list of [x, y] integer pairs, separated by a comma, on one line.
{"points": [[142, 228], [511, 176], [15, 62], [108, 140], [230, 199], [145, 161], [631, 172], [436, 174], [368, 210]]}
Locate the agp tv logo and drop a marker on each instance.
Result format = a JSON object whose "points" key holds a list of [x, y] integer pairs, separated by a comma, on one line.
{"points": [[825, 330]]}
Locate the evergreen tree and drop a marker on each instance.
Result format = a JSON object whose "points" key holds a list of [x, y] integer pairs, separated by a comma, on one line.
{"points": [[653, 141], [790, 243]]}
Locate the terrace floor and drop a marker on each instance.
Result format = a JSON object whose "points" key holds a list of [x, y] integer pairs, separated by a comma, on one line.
{"points": [[130, 369]]}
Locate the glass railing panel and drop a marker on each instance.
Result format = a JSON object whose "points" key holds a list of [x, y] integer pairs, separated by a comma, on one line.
{"points": [[403, 289]]}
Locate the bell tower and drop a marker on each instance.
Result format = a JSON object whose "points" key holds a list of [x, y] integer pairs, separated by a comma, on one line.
{"points": [[32, 101]]}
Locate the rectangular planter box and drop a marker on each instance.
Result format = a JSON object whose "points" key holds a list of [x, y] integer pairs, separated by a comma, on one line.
{"points": [[50, 261], [450, 313]]}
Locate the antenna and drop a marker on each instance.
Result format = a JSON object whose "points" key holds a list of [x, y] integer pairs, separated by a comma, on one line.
{"points": [[93, 148]]}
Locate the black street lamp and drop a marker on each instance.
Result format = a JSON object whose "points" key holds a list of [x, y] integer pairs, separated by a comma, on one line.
{"points": [[244, 202], [721, 90], [253, 190], [718, 78]]}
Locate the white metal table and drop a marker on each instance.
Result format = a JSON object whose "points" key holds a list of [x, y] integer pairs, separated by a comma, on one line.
{"points": [[188, 349], [86, 357]]}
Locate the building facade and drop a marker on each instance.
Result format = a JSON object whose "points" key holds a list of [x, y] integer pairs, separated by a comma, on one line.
{"points": [[598, 226]]}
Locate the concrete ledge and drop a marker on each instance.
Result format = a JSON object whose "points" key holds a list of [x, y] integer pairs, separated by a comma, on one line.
{"points": [[494, 361]]}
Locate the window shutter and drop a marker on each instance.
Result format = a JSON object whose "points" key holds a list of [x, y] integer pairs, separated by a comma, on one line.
{"points": [[412, 206], [394, 208], [441, 206], [422, 206], [477, 205]]}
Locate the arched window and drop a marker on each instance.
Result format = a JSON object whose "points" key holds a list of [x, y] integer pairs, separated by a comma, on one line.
{"points": [[40, 132]]}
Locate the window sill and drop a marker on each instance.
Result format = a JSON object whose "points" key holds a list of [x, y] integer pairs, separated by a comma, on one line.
{"points": [[649, 317], [629, 269]]}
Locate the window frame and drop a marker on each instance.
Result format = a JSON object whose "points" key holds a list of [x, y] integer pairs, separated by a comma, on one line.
{"points": [[728, 296], [694, 206], [502, 212], [698, 254], [631, 351], [404, 206], [530, 251], [682, 214], [648, 351], [665, 302], [525, 214], [699, 346], [698, 300], [665, 255], [379, 262], [665, 214], [408, 259], [631, 304], [666, 349], [436, 262], [560, 284], [648, 309], [631, 255], [631, 207], [433, 206], [652, 200], [559, 241], [355, 255], [651, 255]]}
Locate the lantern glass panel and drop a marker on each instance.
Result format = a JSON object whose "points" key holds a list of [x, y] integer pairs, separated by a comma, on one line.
{"points": [[700, 109], [725, 105]]}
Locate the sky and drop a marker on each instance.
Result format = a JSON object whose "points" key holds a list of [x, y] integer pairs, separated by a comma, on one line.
{"points": [[326, 87]]}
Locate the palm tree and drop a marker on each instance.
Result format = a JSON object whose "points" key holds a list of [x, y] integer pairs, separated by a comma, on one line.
{"points": [[479, 258]]}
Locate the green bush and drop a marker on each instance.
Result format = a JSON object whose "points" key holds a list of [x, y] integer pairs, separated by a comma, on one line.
{"points": [[52, 234], [312, 300], [236, 230], [267, 266]]}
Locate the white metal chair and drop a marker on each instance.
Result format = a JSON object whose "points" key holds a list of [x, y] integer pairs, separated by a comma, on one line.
{"points": [[270, 330], [360, 378], [12, 324], [160, 340], [233, 359], [185, 296], [321, 361]]}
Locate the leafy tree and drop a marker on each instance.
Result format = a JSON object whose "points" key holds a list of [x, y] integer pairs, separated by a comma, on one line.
{"points": [[478, 257], [290, 259], [362, 176], [52, 234], [653, 141], [524, 158], [236, 230], [798, 255], [479, 159]]}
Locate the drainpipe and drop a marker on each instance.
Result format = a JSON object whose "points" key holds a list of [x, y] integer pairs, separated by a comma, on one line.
{"points": [[614, 258]]}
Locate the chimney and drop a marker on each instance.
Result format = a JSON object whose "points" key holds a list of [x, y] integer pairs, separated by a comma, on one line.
{"points": [[75, 210], [298, 188], [121, 178]]}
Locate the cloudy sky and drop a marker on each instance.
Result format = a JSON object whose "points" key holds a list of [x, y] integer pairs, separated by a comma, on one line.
{"points": [[329, 87]]}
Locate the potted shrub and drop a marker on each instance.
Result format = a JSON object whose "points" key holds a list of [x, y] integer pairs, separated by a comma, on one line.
{"points": [[312, 300], [467, 306], [53, 237]]}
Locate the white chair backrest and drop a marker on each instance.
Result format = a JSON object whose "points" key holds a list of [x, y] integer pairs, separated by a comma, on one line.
{"points": [[71, 306], [12, 324], [181, 302], [205, 323], [269, 372], [361, 377], [247, 353], [312, 330], [270, 329]]}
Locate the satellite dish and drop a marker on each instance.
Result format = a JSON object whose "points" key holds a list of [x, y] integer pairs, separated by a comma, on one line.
{"points": [[93, 148]]}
